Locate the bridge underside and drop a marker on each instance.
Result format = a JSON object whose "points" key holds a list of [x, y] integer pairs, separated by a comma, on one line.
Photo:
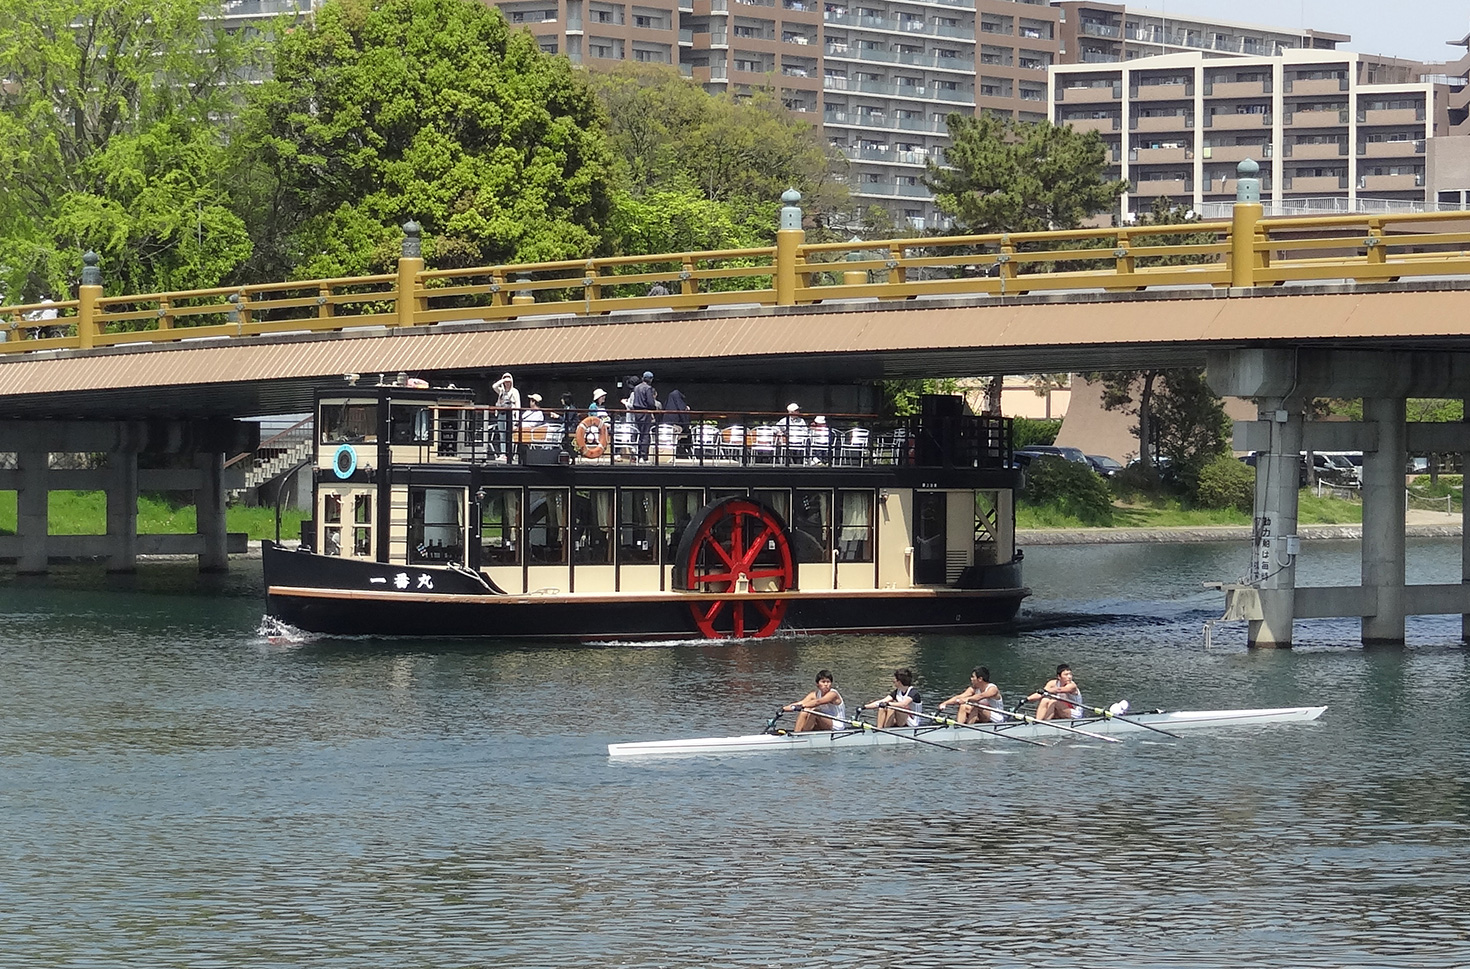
{"points": [[843, 342]]}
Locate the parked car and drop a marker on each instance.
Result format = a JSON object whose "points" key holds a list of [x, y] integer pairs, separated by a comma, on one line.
{"points": [[1104, 465], [1033, 451]]}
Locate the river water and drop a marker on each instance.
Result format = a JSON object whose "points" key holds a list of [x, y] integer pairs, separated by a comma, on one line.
{"points": [[176, 791]]}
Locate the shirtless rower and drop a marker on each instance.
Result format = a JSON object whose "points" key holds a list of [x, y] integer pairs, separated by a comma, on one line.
{"points": [[897, 708], [820, 708], [980, 702], [1048, 708]]}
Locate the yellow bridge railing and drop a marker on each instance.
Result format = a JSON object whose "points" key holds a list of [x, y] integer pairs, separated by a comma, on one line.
{"points": [[1245, 252]]}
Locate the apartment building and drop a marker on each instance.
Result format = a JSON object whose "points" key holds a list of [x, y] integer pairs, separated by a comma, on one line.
{"points": [[1177, 124], [878, 76], [1100, 33]]}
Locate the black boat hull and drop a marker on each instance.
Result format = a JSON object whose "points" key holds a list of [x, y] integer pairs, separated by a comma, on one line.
{"points": [[335, 596]]}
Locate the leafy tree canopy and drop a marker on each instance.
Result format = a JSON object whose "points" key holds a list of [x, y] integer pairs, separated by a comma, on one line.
{"points": [[1006, 176], [673, 140], [113, 115], [430, 110]]}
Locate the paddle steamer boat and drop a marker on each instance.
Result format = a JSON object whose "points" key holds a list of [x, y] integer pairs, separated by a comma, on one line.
{"points": [[433, 516]]}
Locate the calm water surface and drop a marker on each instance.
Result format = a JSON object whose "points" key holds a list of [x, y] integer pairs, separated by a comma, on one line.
{"points": [[175, 791]]}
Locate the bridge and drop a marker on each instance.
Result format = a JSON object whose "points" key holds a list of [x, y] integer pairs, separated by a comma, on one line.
{"points": [[1282, 310]]}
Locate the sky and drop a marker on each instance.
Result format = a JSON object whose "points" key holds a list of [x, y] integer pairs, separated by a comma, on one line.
{"points": [[1415, 29]]}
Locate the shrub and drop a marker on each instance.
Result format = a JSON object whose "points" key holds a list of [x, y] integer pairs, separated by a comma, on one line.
{"points": [[1073, 489], [1226, 483], [1032, 430]]}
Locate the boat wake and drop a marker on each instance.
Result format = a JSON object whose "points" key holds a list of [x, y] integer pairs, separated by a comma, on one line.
{"points": [[278, 633]]}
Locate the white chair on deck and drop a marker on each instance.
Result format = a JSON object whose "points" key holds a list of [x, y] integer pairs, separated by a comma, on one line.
{"points": [[706, 441], [732, 442], [764, 445], [854, 449], [625, 440], [819, 443], [798, 439], [666, 436]]}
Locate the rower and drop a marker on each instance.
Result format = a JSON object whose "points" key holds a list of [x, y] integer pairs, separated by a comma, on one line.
{"points": [[897, 708], [980, 702], [1049, 708], [819, 708]]}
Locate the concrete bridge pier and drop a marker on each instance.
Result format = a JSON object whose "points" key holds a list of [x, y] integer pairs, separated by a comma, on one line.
{"points": [[1383, 520], [1273, 565], [204, 442]]}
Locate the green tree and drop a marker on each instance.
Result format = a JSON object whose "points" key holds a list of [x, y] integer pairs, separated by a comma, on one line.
{"points": [[1133, 392], [431, 110], [901, 397], [672, 140], [1005, 176], [1180, 419], [113, 119]]}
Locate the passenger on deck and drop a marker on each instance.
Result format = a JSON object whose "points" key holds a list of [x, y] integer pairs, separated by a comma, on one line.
{"points": [[533, 416], [1049, 708], [980, 702], [599, 402], [897, 709], [821, 709]]}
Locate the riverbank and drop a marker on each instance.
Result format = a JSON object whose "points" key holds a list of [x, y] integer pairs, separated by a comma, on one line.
{"points": [[1418, 524]]}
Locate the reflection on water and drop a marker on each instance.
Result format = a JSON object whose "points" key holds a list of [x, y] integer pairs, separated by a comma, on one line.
{"points": [[180, 790]]}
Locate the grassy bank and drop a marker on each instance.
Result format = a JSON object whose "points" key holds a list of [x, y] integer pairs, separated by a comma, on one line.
{"points": [[85, 513], [1169, 513]]}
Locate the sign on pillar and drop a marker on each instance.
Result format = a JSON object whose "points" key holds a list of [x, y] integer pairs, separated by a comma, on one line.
{"points": [[1263, 564]]}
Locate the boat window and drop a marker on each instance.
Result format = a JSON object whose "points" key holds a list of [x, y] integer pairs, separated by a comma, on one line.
{"points": [[331, 524], [777, 499], [500, 526], [546, 526], [680, 505], [638, 526], [855, 526], [435, 525], [349, 423], [715, 494], [811, 526], [362, 525], [593, 528], [930, 525], [409, 424]]}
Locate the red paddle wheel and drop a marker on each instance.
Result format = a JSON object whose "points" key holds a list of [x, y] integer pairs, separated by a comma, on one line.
{"points": [[736, 546]]}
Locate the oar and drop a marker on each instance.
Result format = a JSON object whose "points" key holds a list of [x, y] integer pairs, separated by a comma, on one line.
{"points": [[863, 725], [1109, 715], [971, 726], [1058, 724]]}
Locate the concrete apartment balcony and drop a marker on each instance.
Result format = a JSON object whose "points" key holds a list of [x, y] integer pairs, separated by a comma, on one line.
{"points": [[1084, 125], [1390, 183], [1392, 149], [1174, 187], [1237, 122], [1304, 152], [1322, 86], [1316, 119], [1160, 156], [1088, 95], [1164, 92], [1237, 153], [1236, 89], [1391, 116], [1165, 122], [1315, 184]]}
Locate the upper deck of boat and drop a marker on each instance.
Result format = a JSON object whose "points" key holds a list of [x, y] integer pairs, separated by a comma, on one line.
{"points": [[421, 428]]}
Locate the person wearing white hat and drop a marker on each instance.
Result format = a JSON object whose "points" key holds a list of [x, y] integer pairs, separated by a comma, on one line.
{"points": [[819, 440], [533, 416], [599, 401], [793, 431], [508, 400]]}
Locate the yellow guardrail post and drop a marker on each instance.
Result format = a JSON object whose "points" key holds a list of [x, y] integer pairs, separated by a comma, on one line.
{"points": [[789, 238], [688, 285], [855, 277], [1377, 253], [88, 293], [410, 264], [1245, 228]]}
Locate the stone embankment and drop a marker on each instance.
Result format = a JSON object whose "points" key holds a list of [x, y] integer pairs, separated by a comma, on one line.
{"points": [[1418, 524]]}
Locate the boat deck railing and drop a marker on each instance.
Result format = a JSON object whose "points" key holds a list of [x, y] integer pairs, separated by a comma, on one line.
{"points": [[507, 436]]}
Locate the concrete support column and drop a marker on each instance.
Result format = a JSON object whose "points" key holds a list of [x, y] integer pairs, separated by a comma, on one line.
{"points": [[33, 522], [209, 504], [1273, 570], [1465, 534], [1383, 520], [122, 511]]}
